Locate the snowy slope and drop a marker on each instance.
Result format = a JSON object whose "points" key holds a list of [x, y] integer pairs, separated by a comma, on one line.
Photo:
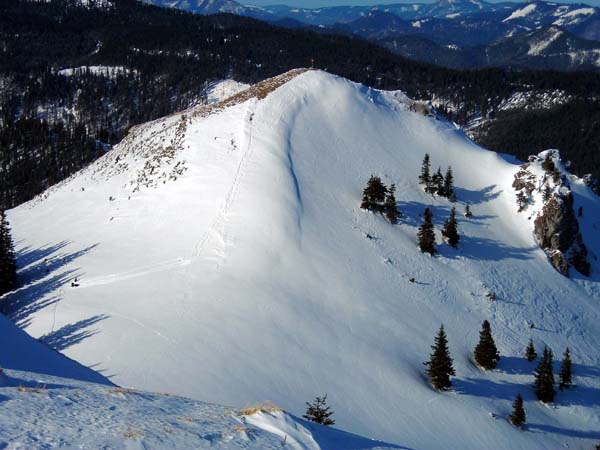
{"points": [[221, 254], [49, 412], [22, 352]]}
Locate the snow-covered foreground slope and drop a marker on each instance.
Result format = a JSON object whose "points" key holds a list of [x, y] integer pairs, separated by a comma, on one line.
{"points": [[22, 352], [49, 412], [221, 254]]}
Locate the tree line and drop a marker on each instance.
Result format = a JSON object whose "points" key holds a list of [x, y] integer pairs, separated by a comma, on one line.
{"points": [[440, 368]]}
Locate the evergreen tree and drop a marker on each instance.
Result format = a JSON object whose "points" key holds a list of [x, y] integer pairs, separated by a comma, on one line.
{"points": [[450, 231], [437, 183], [486, 354], [556, 176], [439, 366], [522, 201], [518, 416], [426, 234], [374, 194], [548, 164], [319, 412], [425, 177], [389, 207], [566, 371], [468, 213], [546, 193], [8, 262], [449, 185], [544, 378], [530, 353]]}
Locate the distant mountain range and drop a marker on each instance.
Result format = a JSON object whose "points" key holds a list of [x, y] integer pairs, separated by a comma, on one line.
{"points": [[453, 33]]}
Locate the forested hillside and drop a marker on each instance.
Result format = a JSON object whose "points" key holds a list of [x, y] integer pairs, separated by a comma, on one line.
{"points": [[138, 62]]}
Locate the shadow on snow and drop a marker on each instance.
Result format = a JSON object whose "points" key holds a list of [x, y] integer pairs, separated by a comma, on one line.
{"points": [[72, 333]]}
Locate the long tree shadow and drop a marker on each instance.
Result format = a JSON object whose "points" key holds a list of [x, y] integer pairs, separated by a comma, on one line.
{"points": [[40, 280], [485, 249], [20, 305], [504, 390], [591, 434], [72, 334], [481, 387], [477, 197], [472, 247], [515, 365], [36, 264], [412, 213]]}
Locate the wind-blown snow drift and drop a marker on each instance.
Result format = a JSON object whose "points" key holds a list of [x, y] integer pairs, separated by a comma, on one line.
{"points": [[224, 256]]}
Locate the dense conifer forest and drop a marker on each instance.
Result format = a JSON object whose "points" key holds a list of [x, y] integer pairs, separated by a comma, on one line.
{"points": [[53, 123]]}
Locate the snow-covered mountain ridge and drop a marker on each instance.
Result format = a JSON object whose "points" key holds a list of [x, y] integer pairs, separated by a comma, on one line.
{"points": [[221, 253], [48, 412]]}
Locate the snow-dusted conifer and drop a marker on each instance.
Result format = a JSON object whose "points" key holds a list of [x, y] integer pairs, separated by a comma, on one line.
{"points": [[439, 366], [450, 230], [548, 164], [522, 201], [449, 185], [530, 353], [518, 416], [319, 412], [566, 371], [425, 177], [437, 183], [546, 193], [389, 207], [426, 234], [8, 262], [468, 213], [486, 354], [374, 194], [544, 378]]}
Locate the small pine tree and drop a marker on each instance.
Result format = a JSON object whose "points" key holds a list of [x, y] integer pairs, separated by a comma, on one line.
{"points": [[556, 176], [486, 354], [468, 213], [426, 234], [8, 262], [530, 353], [389, 207], [518, 416], [522, 200], [566, 371], [437, 183], [544, 378], [439, 366], [319, 412], [546, 193], [450, 230], [425, 177], [449, 185], [374, 194], [548, 164]]}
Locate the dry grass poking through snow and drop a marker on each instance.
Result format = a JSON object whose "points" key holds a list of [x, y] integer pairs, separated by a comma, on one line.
{"points": [[162, 143], [41, 389], [265, 406]]}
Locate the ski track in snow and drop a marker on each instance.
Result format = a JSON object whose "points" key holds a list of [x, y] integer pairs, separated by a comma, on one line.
{"points": [[128, 275], [216, 227]]}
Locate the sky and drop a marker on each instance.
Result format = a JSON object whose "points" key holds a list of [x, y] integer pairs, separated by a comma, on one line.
{"points": [[320, 3]]}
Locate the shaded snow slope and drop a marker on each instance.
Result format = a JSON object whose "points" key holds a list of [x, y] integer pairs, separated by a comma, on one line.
{"points": [[221, 254], [49, 412]]}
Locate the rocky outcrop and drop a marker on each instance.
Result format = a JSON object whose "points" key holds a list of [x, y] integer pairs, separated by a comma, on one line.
{"points": [[557, 232]]}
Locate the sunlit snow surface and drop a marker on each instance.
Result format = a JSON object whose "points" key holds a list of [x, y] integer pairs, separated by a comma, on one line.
{"points": [[222, 255]]}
